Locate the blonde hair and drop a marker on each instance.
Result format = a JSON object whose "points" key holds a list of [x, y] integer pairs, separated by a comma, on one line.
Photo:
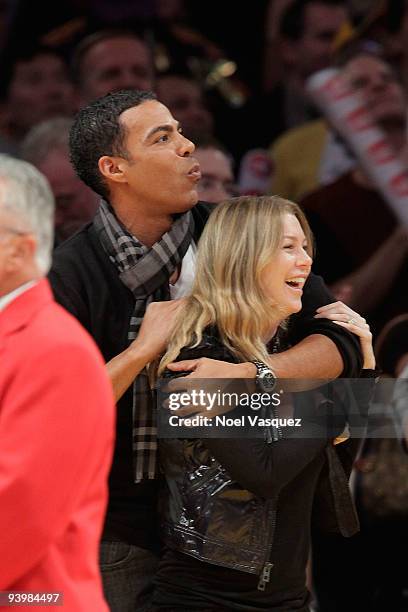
{"points": [[241, 236]]}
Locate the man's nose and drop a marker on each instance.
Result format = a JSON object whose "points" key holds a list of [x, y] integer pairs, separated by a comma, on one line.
{"points": [[186, 146]]}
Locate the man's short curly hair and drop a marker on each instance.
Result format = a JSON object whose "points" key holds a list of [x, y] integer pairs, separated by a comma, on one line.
{"points": [[98, 131]]}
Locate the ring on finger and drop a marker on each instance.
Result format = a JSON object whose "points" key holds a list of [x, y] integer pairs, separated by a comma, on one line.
{"points": [[352, 320]]}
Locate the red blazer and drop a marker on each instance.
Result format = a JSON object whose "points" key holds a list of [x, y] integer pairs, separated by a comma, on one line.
{"points": [[56, 441]]}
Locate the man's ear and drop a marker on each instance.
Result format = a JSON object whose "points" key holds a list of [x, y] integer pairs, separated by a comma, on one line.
{"points": [[21, 252], [113, 168]]}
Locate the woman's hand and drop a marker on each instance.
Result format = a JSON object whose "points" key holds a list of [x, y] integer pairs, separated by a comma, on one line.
{"points": [[344, 316]]}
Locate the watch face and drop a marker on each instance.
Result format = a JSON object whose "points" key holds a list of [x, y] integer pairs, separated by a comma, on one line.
{"points": [[267, 379]]}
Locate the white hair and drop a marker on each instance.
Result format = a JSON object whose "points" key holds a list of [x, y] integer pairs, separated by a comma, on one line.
{"points": [[27, 195]]}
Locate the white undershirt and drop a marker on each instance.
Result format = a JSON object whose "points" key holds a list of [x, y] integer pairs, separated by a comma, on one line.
{"points": [[9, 297], [185, 280]]}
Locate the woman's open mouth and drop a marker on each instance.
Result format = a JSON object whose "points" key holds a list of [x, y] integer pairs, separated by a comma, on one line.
{"points": [[296, 283]]}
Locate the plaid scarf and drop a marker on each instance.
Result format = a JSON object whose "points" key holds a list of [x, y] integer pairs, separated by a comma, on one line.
{"points": [[146, 272]]}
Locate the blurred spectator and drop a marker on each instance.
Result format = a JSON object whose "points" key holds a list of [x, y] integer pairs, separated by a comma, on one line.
{"points": [[307, 30], [46, 147], [390, 28], [304, 43], [217, 175], [313, 154], [385, 21], [255, 173], [273, 69], [184, 98], [351, 219], [110, 60], [35, 86]]}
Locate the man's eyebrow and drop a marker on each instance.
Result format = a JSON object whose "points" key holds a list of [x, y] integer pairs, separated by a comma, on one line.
{"points": [[162, 128]]}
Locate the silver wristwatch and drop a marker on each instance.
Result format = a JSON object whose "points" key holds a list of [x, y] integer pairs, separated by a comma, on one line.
{"points": [[265, 378]]}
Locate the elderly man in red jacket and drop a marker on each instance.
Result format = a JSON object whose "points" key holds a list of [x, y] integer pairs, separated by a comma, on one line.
{"points": [[56, 415]]}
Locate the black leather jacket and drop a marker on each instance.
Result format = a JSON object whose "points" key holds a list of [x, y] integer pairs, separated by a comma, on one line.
{"points": [[209, 515]]}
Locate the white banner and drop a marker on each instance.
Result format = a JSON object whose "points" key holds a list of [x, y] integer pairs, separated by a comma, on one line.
{"points": [[348, 114]]}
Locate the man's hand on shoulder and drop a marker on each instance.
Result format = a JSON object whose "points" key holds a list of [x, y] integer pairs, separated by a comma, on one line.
{"points": [[156, 328], [152, 339]]}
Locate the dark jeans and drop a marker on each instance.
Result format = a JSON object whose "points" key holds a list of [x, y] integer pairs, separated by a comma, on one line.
{"points": [[127, 576]]}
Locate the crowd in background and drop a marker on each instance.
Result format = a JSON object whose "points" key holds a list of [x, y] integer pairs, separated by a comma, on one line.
{"points": [[239, 93], [235, 78]]}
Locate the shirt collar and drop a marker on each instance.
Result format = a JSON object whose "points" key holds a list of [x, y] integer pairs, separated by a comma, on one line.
{"points": [[9, 297]]}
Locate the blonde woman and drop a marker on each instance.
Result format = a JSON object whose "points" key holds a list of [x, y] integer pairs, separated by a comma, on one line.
{"points": [[237, 513]]}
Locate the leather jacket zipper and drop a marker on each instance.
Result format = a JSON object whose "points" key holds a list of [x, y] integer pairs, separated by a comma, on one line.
{"points": [[265, 575], [272, 433], [277, 431]]}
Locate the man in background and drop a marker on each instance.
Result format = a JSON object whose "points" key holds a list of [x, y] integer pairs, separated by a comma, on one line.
{"points": [[35, 86], [46, 147], [110, 60], [217, 174]]}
